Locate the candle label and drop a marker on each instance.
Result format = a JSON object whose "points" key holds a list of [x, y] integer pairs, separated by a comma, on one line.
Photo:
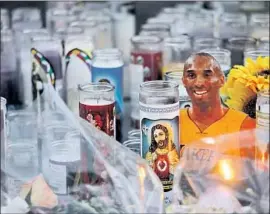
{"points": [[113, 76], [101, 116], [41, 67], [151, 62], [66, 175], [159, 126]]}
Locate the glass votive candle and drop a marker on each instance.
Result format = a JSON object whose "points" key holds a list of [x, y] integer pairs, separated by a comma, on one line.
{"points": [[134, 134], [146, 52], [64, 166], [26, 17], [259, 25], [176, 50], [184, 99], [204, 23], [96, 105], [4, 19], [22, 125], [201, 43], [154, 29], [21, 166], [264, 43], [104, 37], [237, 46], [232, 24], [223, 56], [134, 145], [254, 54]]}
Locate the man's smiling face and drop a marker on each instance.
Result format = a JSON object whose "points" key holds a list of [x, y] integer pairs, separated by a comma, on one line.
{"points": [[202, 78]]}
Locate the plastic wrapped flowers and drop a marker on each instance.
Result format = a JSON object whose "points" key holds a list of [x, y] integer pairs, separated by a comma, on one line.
{"points": [[211, 178], [57, 163]]}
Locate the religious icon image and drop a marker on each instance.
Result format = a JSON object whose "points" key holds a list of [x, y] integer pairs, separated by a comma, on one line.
{"points": [[160, 151]]}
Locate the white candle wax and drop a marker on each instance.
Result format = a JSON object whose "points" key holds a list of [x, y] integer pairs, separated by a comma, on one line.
{"points": [[96, 102], [110, 64]]}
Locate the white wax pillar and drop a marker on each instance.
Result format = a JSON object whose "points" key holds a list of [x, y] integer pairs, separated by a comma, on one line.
{"points": [[77, 70], [124, 29]]}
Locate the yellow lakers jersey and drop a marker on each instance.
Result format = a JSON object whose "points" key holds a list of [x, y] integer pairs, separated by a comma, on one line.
{"points": [[229, 123]]}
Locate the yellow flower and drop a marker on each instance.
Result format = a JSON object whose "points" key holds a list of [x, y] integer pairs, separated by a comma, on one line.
{"points": [[244, 82]]}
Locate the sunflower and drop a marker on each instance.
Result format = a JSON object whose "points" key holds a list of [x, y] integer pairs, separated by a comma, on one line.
{"points": [[245, 82]]}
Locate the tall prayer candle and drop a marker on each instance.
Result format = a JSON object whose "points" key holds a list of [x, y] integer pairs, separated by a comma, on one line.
{"points": [[146, 51], [159, 124]]}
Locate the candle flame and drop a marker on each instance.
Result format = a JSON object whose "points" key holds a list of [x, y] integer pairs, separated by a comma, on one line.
{"points": [[226, 170]]}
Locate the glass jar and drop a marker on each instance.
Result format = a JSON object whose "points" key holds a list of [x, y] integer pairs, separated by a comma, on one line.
{"points": [[104, 37], [3, 139], [134, 134], [237, 46], [160, 30], [24, 45], [223, 56], [26, 17], [264, 43], [201, 43], [107, 66], [204, 23], [4, 19], [182, 26], [176, 50], [9, 73], [159, 125], [262, 128], [146, 52], [254, 54], [64, 166], [58, 19], [231, 25], [97, 105], [184, 99], [134, 145], [259, 25], [78, 56], [161, 20], [22, 166], [47, 54]]}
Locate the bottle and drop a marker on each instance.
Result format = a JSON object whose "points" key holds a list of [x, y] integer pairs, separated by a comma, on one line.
{"points": [[107, 66], [262, 126], [159, 125], [146, 52], [78, 55]]}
